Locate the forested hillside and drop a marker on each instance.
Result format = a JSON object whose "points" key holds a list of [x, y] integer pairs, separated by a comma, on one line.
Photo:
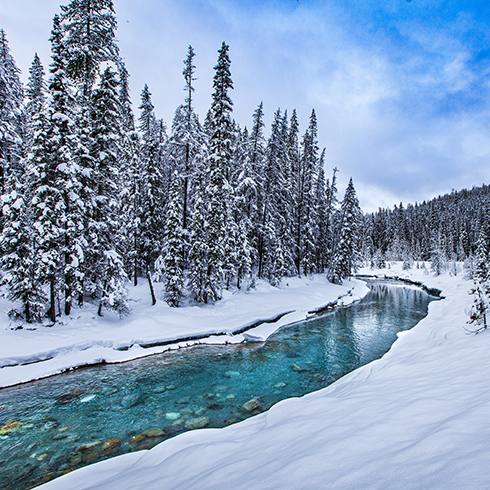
{"points": [[447, 227]]}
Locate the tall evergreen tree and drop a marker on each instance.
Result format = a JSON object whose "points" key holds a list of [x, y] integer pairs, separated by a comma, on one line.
{"points": [[152, 203], [306, 212], [481, 287], [11, 114], [104, 260], [171, 262], [90, 39], [346, 255], [218, 190]]}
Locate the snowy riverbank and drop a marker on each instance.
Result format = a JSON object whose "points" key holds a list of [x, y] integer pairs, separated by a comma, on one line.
{"points": [[415, 419], [84, 338]]}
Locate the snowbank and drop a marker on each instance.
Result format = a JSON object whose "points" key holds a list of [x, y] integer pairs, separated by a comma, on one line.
{"points": [[415, 419], [84, 338]]}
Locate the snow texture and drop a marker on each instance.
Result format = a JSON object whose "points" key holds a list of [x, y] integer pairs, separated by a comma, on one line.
{"points": [[415, 419]]}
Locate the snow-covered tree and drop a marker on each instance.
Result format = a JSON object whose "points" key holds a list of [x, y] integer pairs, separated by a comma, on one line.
{"points": [[171, 262], [152, 202], [104, 220], [346, 256], [481, 287], [218, 192], [11, 114], [89, 39]]}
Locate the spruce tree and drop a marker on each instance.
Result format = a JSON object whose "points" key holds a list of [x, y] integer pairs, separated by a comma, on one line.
{"points": [[170, 263], [218, 191], [11, 114], [481, 283], [104, 261], [90, 39], [152, 202], [346, 256]]}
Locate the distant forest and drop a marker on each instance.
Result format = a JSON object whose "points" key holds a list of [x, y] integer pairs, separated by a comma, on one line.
{"points": [[94, 196]]}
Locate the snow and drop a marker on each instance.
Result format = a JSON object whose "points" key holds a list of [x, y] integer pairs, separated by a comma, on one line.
{"points": [[415, 419], [84, 338]]}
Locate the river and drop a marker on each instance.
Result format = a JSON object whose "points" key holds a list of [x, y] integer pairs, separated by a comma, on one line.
{"points": [[58, 424]]}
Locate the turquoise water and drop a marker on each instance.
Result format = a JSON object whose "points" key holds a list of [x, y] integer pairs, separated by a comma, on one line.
{"points": [[67, 421]]}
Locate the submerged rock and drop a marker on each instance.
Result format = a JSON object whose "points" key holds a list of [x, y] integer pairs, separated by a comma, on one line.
{"points": [[197, 423], [9, 428], [253, 404], [87, 399], [153, 433], [110, 444], [280, 385], [159, 389], [172, 415], [132, 400]]}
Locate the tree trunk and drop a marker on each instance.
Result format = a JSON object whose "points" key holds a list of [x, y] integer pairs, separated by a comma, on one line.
{"points": [[52, 301], [152, 292]]}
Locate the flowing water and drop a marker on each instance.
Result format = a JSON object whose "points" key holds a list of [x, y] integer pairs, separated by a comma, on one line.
{"points": [[52, 426]]}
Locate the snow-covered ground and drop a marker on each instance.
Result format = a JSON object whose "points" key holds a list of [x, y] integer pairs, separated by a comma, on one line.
{"points": [[84, 338], [415, 419]]}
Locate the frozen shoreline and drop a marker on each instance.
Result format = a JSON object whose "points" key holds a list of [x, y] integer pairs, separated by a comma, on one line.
{"points": [[83, 338], [413, 419]]}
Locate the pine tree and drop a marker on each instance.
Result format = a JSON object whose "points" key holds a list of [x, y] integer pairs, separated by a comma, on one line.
{"points": [[321, 213], [90, 39], [103, 258], [170, 263], [36, 90], [19, 254], [11, 114], [218, 191], [57, 208], [152, 203], [306, 211], [346, 256], [481, 287]]}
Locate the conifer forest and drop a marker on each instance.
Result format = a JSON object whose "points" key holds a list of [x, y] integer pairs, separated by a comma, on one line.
{"points": [[96, 197]]}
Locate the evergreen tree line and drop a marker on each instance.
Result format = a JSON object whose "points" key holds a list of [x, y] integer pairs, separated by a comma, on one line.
{"points": [[93, 197], [443, 229]]}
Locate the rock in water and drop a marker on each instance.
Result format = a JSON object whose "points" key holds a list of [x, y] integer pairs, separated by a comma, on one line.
{"points": [[110, 444], [87, 399], [197, 423], [9, 428], [172, 415], [132, 400], [252, 404]]}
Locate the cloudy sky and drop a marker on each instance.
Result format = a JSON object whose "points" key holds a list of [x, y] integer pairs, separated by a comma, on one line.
{"points": [[400, 88]]}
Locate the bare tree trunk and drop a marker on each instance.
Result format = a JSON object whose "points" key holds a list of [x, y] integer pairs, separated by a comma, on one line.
{"points": [[150, 283]]}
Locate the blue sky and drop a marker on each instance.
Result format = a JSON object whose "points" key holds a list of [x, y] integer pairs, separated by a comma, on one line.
{"points": [[401, 89]]}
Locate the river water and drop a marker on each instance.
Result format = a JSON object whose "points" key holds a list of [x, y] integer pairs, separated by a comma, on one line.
{"points": [[55, 425]]}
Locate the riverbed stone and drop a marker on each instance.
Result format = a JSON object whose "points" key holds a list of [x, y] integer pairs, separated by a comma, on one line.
{"points": [[159, 389], [172, 415], [11, 427], [253, 404], [132, 400], [110, 445], [280, 385], [89, 446], [197, 423], [154, 433]]}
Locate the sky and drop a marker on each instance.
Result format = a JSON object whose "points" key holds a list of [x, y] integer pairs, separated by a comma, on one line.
{"points": [[401, 88]]}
